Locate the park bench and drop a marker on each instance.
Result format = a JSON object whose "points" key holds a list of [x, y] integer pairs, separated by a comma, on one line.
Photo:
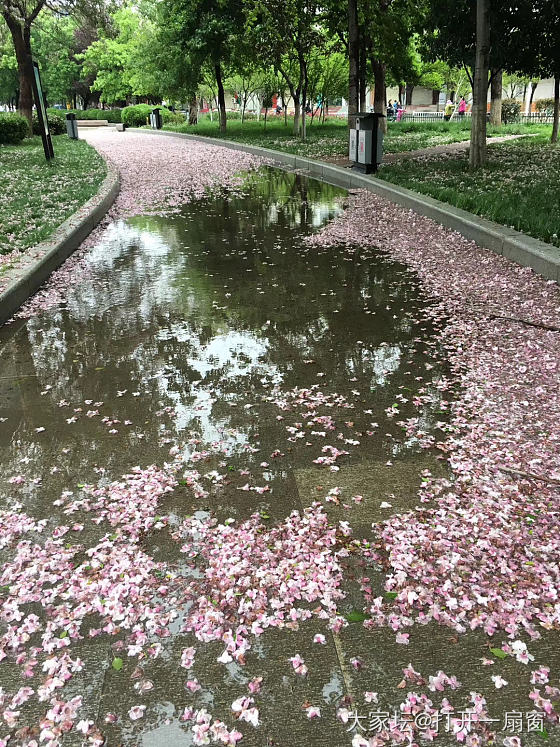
{"points": [[92, 122]]}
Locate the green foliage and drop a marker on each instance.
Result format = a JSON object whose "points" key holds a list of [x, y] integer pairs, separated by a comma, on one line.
{"points": [[53, 46], [328, 75], [170, 117], [510, 110], [199, 34], [499, 653], [136, 116], [111, 115], [120, 62], [356, 616], [37, 196], [544, 105], [57, 123], [234, 116], [13, 128], [518, 187], [8, 67], [514, 85]]}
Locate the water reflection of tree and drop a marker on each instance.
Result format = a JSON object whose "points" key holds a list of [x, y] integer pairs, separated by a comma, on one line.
{"points": [[150, 313]]}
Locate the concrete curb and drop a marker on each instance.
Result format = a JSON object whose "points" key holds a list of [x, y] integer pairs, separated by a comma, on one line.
{"points": [[39, 262], [543, 258]]}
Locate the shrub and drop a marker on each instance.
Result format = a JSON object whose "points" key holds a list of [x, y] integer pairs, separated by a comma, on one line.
{"points": [[135, 116], [57, 123], [13, 128], [170, 117], [111, 115], [544, 105], [237, 115], [510, 110]]}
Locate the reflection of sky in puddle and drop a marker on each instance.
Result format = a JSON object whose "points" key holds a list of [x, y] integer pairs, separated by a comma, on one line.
{"points": [[221, 352], [200, 315]]}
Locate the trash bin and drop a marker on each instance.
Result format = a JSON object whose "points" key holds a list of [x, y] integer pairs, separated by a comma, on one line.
{"points": [[366, 142], [155, 119], [71, 126]]}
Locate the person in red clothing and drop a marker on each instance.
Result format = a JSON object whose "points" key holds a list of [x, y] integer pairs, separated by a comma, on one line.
{"points": [[462, 107]]}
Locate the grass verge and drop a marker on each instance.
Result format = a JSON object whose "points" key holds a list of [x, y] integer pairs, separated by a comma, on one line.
{"points": [[518, 187], [330, 139], [38, 196]]}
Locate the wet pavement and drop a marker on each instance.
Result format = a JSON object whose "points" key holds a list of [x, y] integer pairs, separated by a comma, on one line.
{"points": [[217, 342]]}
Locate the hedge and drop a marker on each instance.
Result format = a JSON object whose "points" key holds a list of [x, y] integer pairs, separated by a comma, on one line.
{"points": [[57, 123], [237, 115], [13, 128], [136, 116], [111, 115], [544, 105]]}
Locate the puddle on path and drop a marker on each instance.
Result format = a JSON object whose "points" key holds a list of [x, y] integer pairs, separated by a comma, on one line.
{"points": [[183, 324], [201, 330]]}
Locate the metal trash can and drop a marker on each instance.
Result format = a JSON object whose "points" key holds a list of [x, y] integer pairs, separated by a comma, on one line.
{"points": [[155, 119], [366, 142], [71, 126]]}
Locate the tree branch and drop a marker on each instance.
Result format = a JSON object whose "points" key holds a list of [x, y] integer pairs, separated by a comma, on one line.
{"points": [[530, 475]]}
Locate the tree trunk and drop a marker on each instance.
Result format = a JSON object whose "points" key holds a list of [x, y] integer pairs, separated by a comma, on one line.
{"points": [[304, 104], [296, 101], [379, 91], [496, 98], [477, 152], [409, 90], [554, 136], [401, 94], [533, 89], [193, 111], [354, 61], [221, 98], [21, 37]]}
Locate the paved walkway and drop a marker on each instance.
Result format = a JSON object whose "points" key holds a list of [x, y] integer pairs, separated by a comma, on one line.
{"points": [[258, 369]]}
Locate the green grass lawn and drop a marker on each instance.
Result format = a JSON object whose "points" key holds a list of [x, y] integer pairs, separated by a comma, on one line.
{"points": [[519, 187], [331, 139], [38, 196]]}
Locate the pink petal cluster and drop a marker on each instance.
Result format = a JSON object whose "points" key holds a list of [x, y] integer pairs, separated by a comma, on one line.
{"points": [[256, 577]]}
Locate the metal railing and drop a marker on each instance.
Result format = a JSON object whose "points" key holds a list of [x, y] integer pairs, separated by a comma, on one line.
{"points": [[536, 118], [532, 118]]}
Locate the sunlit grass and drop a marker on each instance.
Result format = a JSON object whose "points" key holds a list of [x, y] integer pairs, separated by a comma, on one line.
{"points": [[519, 186], [37, 196]]}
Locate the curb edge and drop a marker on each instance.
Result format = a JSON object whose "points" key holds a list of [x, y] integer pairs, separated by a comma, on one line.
{"points": [[525, 250]]}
